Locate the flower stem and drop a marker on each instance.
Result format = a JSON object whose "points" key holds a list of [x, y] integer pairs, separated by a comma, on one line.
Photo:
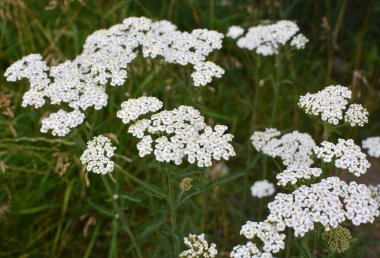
{"points": [[147, 186], [122, 218], [173, 210]]}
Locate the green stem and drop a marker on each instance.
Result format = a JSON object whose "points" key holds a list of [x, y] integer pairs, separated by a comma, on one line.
{"points": [[326, 132], [122, 218], [142, 183], [173, 210]]}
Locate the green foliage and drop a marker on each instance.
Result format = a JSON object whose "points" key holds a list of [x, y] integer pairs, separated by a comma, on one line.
{"points": [[50, 207]]}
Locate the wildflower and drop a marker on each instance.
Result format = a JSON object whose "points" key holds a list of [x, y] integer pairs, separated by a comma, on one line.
{"points": [[97, 156], [134, 108], [347, 155], [260, 139], [262, 188], [337, 239], [204, 71], [375, 192], [373, 146], [234, 32], [186, 184], [293, 148], [249, 250], [299, 41], [182, 132], [356, 115], [272, 241], [30, 67], [81, 83], [61, 122], [266, 40], [293, 173], [197, 246], [328, 103], [329, 203]]}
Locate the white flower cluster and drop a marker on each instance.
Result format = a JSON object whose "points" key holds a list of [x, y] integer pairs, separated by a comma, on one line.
{"points": [[34, 69], [249, 250], [373, 146], [356, 115], [106, 54], [272, 240], [293, 173], [197, 246], [98, 155], [182, 132], [375, 192], [347, 155], [61, 122], [134, 108], [293, 148], [329, 203], [262, 188], [330, 103], [266, 40], [234, 32], [204, 71], [261, 139]]}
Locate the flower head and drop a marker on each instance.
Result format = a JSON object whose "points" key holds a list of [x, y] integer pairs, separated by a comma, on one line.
{"points": [[293, 173], [372, 144], [234, 32], [266, 40], [97, 156], [356, 115], [337, 239], [197, 246], [81, 83], [375, 192], [328, 103], [347, 155], [132, 109], [179, 133], [61, 122], [293, 148], [248, 250], [329, 203], [267, 233], [262, 188]]}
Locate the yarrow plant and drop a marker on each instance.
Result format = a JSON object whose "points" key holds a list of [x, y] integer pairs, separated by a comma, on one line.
{"points": [[295, 173], [346, 155], [293, 148], [262, 188], [97, 156], [372, 144], [175, 134], [81, 83], [330, 202], [330, 103], [197, 246], [266, 40]]}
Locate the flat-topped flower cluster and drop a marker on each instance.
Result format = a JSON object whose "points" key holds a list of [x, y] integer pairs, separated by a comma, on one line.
{"points": [[80, 83], [175, 134], [330, 103], [372, 144], [97, 156], [330, 202], [293, 148], [345, 154], [262, 188], [266, 40], [197, 246]]}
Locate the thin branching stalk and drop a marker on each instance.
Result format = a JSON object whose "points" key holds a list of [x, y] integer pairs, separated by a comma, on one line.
{"points": [[121, 217]]}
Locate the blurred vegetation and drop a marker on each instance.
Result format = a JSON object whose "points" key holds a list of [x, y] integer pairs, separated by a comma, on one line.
{"points": [[50, 208]]}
